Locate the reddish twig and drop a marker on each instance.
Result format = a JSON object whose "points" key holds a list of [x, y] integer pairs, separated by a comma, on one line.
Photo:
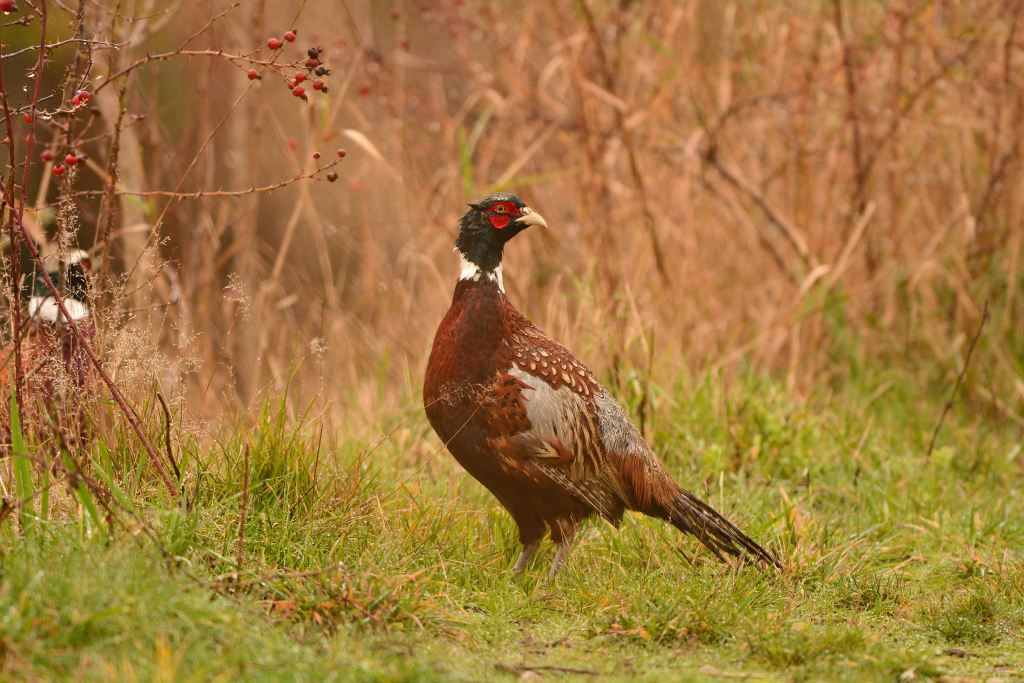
{"points": [[49, 47], [212, 193]]}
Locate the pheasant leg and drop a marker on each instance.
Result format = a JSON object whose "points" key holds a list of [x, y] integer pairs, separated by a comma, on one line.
{"points": [[529, 550]]}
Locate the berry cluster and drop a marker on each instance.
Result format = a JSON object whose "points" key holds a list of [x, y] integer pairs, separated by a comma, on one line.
{"points": [[314, 67], [71, 160]]}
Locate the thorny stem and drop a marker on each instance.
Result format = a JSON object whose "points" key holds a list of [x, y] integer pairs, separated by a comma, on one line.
{"points": [[49, 47], [233, 58], [210, 193]]}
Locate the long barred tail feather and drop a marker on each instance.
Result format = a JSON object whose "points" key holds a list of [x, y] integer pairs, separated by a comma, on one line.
{"points": [[690, 514]]}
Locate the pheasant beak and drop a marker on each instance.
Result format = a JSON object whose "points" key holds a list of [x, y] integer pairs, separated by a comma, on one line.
{"points": [[531, 217]]}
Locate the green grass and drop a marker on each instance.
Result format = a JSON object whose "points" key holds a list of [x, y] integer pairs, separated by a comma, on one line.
{"points": [[387, 562]]}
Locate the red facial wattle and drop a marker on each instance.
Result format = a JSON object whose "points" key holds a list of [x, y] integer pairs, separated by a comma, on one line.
{"points": [[500, 213]]}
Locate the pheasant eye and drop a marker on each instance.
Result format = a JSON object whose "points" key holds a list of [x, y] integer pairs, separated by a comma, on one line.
{"points": [[500, 208]]}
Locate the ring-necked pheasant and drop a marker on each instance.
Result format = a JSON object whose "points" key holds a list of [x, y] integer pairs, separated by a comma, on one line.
{"points": [[55, 366], [532, 423]]}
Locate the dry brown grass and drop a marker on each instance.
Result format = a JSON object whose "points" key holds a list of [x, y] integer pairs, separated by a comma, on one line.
{"points": [[709, 171]]}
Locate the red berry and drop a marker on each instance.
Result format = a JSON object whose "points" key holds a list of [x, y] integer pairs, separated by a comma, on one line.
{"points": [[299, 77], [28, 118], [8, 5], [298, 91], [395, 14], [28, 139], [403, 43], [364, 90], [58, 170], [290, 36], [75, 101], [253, 75], [318, 84], [291, 85], [313, 63], [332, 176], [273, 43], [316, 155], [293, 144], [84, 95], [342, 153], [47, 155], [71, 159]]}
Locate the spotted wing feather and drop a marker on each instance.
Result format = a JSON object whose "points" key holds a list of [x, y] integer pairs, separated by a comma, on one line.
{"points": [[611, 466]]}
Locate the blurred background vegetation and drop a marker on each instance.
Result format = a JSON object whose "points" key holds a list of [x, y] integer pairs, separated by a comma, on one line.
{"points": [[799, 187]]}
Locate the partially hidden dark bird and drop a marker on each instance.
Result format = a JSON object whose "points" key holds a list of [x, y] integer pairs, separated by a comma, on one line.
{"points": [[54, 364], [532, 424]]}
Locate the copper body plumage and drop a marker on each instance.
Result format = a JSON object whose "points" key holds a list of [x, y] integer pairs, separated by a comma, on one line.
{"points": [[532, 424]]}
